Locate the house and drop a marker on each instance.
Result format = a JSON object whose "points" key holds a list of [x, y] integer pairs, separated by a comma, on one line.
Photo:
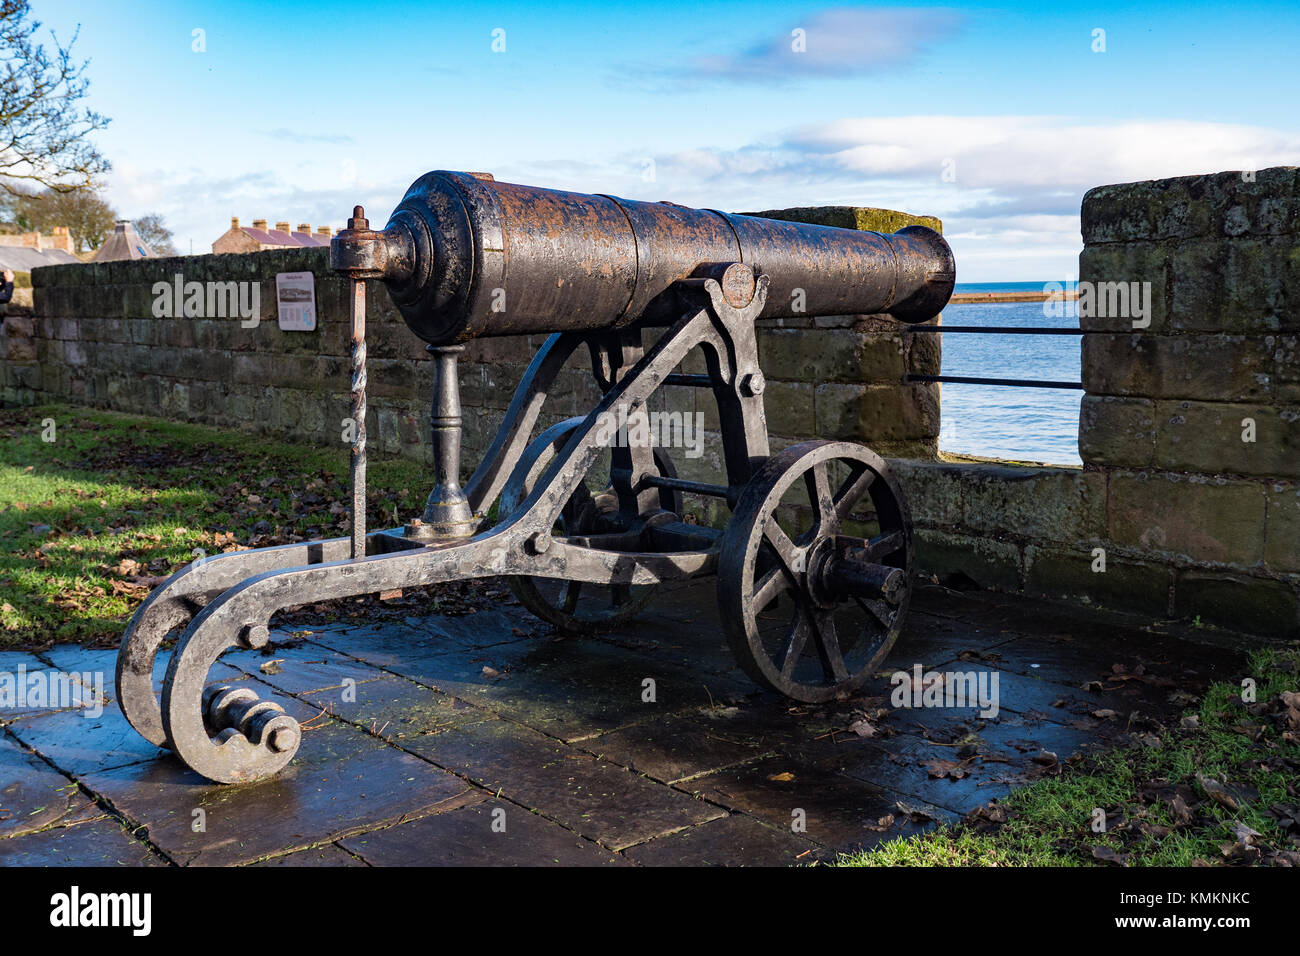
{"points": [[258, 237], [124, 243], [24, 251]]}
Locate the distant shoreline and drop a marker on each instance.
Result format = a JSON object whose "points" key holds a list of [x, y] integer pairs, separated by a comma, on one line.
{"points": [[969, 298]]}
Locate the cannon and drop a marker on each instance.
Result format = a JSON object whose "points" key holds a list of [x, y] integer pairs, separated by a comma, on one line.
{"points": [[814, 566]]}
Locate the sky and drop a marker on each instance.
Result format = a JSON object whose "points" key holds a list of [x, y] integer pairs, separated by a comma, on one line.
{"points": [[995, 118]]}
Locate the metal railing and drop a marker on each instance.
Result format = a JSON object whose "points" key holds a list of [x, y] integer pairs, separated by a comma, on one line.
{"points": [[993, 330]]}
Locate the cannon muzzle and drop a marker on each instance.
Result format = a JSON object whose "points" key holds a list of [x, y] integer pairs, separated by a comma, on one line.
{"points": [[465, 256]]}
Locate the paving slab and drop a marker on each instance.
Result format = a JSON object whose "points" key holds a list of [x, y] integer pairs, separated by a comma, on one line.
{"points": [[341, 781], [836, 811], [575, 689], [301, 667], [987, 762], [79, 744], [100, 842], [329, 854], [33, 795], [597, 799], [733, 840], [488, 833], [675, 748], [425, 728], [397, 709]]}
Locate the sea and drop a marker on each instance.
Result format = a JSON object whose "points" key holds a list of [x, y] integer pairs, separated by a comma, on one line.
{"points": [[1000, 421]]}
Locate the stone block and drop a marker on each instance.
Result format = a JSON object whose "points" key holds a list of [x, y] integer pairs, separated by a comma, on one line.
{"points": [[1255, 605], [1124, 584], [1064, 505], [1207, 367], [1242, 285], [1117, 431], [990, 563], [1210, 438], [1261, 202], [790, 409], [1282, 527], [1107, 268], [1201, 519], [934, 491], [879, 413], [831, 355]]}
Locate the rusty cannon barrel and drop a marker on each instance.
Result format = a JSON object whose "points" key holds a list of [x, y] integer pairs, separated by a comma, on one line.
{"points": [[465, 256]]}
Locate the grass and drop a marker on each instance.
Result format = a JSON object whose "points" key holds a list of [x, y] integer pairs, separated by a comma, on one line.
{"points": [[96, 507], [1253, 749]]}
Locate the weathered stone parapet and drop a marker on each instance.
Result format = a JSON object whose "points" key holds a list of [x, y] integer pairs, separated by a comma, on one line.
{"points": [[1188, 504]]}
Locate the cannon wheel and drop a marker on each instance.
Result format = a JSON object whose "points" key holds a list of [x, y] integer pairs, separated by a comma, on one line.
{"points": [[787, 630], [572, 606]]}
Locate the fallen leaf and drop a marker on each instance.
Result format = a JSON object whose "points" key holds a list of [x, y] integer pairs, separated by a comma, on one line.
{"points": [[1106, 855], [1217, 792], [862, 728]]}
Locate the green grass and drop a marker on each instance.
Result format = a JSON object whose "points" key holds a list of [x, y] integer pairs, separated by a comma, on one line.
{"points": [[1048, 823], [90, 519]]}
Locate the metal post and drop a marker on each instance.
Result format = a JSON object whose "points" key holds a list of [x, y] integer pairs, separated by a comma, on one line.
{"points": [[447, 513], [358, 317]]}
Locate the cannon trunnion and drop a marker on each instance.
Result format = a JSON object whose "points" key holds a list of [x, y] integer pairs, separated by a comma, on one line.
{"points": [[814, 568]]}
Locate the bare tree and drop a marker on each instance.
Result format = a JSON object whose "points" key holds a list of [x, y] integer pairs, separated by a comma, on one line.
{"points": [[87, 215], [154, 231], [44, 128]]}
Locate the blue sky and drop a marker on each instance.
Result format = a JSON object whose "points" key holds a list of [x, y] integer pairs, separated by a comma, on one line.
{"points": [[995, 118]]}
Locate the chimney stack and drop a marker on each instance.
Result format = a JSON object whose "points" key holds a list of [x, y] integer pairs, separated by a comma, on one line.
{"points": [[304, 227], [259, 224], [323, 232], [234, 222], [282, 227]]}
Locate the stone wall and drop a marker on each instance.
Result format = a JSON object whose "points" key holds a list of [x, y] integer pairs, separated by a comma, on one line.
{"points": [[1194, 518]]}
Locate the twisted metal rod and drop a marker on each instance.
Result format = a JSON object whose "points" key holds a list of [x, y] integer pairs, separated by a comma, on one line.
{"points": [[358, 322]]}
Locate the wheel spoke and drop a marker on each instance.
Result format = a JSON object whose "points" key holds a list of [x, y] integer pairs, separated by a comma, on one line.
{"points": [[851, 492], [768, 587], [794, 647], [828, 648], [819, 494], [571, 597], [786, 553], [879, 610]]}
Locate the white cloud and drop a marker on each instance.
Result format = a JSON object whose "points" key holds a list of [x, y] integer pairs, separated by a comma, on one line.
{"points": [[844, 41], [1011, 213]]}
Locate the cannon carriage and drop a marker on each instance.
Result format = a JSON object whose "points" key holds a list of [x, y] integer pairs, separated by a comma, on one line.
{"points": [[814, 567]]}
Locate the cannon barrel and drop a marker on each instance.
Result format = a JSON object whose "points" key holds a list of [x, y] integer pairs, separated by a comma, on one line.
{"points": [[465, 256]]}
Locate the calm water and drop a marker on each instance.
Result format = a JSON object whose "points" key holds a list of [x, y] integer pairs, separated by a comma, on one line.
{"points": [[1027, 424]]}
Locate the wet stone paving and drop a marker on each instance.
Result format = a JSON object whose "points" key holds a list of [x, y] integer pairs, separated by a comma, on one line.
{"points": [[489, 739]]}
